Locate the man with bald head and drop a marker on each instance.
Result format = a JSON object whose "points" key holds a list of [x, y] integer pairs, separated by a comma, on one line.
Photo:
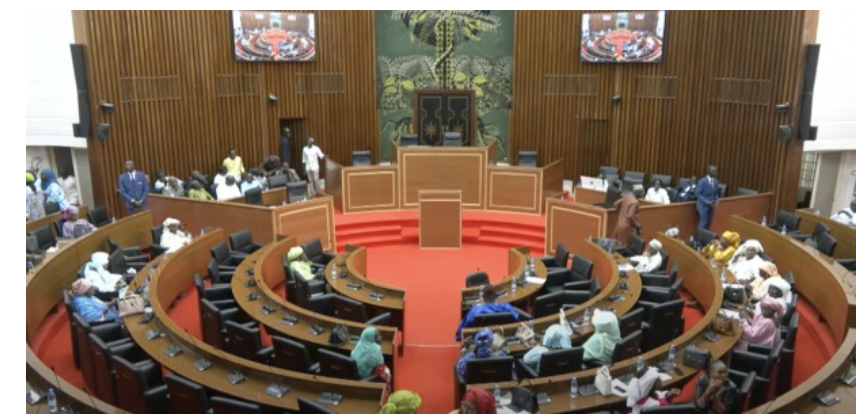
{"points": [[134, 189]]}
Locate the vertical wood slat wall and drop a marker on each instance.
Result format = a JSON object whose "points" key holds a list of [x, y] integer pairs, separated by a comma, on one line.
{"points": [[182, 100]]}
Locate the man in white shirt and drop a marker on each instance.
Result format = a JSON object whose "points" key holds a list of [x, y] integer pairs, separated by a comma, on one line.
{"points": [[651, 259], [174, 235], [657, 194], [311, 157], [228, 190], [846, 216], [69, 184], [220, 177]]}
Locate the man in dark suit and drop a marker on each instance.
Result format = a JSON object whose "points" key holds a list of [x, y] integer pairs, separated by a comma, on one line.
{"points": [[286, 146], [134, 188], [708, 194]]}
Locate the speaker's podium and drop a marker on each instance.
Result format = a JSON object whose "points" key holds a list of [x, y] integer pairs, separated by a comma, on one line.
{"points": [[440, 219]]}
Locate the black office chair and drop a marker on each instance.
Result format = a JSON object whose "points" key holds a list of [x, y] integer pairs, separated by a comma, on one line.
{"points": [[705, 237], [628, 348], [353, 310], [297, 192], [476, 279], [98, 216], [218, 294], [242, 242], [45, 237], [277, 181], [334, 365], [746, 191], [555, 280], [606, 170], [453, 139], [244, 341], [632, 322], [664, 322], [826, 245], [612, 194], [527, 159], [117, 264], [493, 319], [306, 406], [551, 303], [558, 362], [361, 158], [58, 228], [224, 405], [156, 249], [52, 207], [761, 360], [661, 280], [666, 180], [745, 384], [219, 275], [673, 195], [634, 248], [792, 222], [789, 333], [102, 352], [292, 355], [407, 140], [253, 197], [213, 322], [226, 259], [186, 396], [133, 255], [143, 389], [481, 371], [686, 408], [818, 230], [582, 268], [560, 258], [634, 177], [316, 254]]}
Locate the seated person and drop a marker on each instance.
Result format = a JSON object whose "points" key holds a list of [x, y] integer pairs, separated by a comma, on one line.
{"points": [[758, 287], [300, 265], [845, 216], [248, 182], [88, 306], [271, 166], [672, 232], [555, 338], [723, 249], [687, 193], [746, 263], [290, 173], [107, 283], [160, 180], [764, 328], [401, 402], [174, 235], [482, 347], [606, 335], [651, 259], [714, 393], [489, 306], [368, 357], [259, 177], [197, 192], [220, 177], [657, 194], [477, 401], [228, 190], [779, 290], [173, 188], [644, 392], [75, 227]]}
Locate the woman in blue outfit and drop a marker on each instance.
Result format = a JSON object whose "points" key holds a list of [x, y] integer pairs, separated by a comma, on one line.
{"points": [[53, 190], [88, 306]]}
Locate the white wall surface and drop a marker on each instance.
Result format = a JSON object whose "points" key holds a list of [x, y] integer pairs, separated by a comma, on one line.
{"points": [[844, 191]]}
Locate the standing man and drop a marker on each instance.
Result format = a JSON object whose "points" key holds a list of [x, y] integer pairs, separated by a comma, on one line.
{"points": [[286, 146], [312, 154], [708, 195], [628, 208], [233, 164], [134, 188]]}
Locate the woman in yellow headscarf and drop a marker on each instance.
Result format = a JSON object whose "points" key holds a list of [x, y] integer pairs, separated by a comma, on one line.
{"points": [[401, 402], [723, 249]]}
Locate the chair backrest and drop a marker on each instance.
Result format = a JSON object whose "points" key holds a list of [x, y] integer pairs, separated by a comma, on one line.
{"points": [[673, 195], [666, 314], [705, 237], [224, 405], [494, 319], [606, 170], [563, 361], [408, 139], [100, 354], [361, 158], [632, 321], [683, 182], [636, 244], [722, 190], [211, 323], [527, 159], [241, 340], [351, 310], [687, 408], [557, 278], [136, 379], [453, 139], [296, 191], [313, 249], [666, 180], [277, 181], [819, 230], [306, 406], [116, 262], [476, 279], [291, 355], [253, 196], [745, 383], [44, 237], [32, 245], [98, 216], [240, 240], [827, 244], [561, 255], [790, 220], [480, 371], [791, 331], [51, 207], [214, 273], [157, 232], [582, 268], [611, 196], [628, 348], [635, 177], [334, 365], [746, 191], [186, 397], [58, 227]]}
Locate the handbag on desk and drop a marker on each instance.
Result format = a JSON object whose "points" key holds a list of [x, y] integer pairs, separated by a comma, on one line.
{"points": [[524, 400], [695, 357], [339, 335], [130, 305], [721, 324], [603, 381], [735, 294], [525, 334]]}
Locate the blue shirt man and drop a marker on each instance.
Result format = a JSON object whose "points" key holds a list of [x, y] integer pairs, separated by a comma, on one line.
{"points": [[489, 307], [134, 189], [708, 194]]}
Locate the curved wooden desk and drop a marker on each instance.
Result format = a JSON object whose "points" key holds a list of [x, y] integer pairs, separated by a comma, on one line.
{"points": [[170, 279], [51, 218], [523, 296], [44, 290], [704, 284], [844, 234], [268, 273], [606, 269]]}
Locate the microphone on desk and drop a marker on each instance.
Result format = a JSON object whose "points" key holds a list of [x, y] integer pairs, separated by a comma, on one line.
{"points": [[276, 390], [174, 349], [202, 364]]}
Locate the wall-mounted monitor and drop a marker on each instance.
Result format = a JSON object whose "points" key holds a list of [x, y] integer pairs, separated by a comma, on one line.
{"points": [[623, 37], [260, 36]]}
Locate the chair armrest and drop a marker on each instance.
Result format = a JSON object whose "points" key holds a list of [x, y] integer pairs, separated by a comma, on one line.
{"points": [[328, 257], [265, 353], [314, 368], [157, 397], [108, 331], [577, 286], [592, 364], [317, 287], [523, 315], [157, 250], [849, 264], [747, 383], [381, 320], [760, 349], [225, 304], [130, 251], [218, 292], [224, 277], [524, 371], [655, 294], [549, 261]]}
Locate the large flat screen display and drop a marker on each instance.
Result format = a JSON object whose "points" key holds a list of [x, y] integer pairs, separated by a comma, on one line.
{"points": [[623, 37], [273, 36]]}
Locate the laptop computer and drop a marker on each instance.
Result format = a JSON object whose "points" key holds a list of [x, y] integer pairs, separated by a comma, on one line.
{"points": [[592, 183]]}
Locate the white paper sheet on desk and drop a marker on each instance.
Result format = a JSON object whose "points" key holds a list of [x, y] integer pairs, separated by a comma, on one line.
{"points": [[623, 390], [729, 313], [535, 280], [626, 267], [664, 377]]}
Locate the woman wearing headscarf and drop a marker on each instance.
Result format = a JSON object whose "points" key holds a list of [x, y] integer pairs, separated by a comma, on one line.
{"points": [[478, 401], [53, 191], [75, 227], [401, 402], [758, 287], [197, 192], [600, 346], [300, 264], [480, 348], [763, 328], [746, 263], [96, 273], [555, 338], [644, 392], [779, 290], [723, 249], [35, 199], [88, 306], [174, 235], [368, 357]]}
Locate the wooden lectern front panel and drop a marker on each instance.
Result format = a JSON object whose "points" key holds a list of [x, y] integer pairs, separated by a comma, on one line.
{"points": [[440, 221], [440, 169]]}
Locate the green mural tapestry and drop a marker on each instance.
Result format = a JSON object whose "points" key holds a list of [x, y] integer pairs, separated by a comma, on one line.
{"points": [[444, 49]]}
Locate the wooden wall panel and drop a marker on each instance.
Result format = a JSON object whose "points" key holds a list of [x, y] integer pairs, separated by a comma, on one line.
{"points": [[710, 102], [181, 101]]}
